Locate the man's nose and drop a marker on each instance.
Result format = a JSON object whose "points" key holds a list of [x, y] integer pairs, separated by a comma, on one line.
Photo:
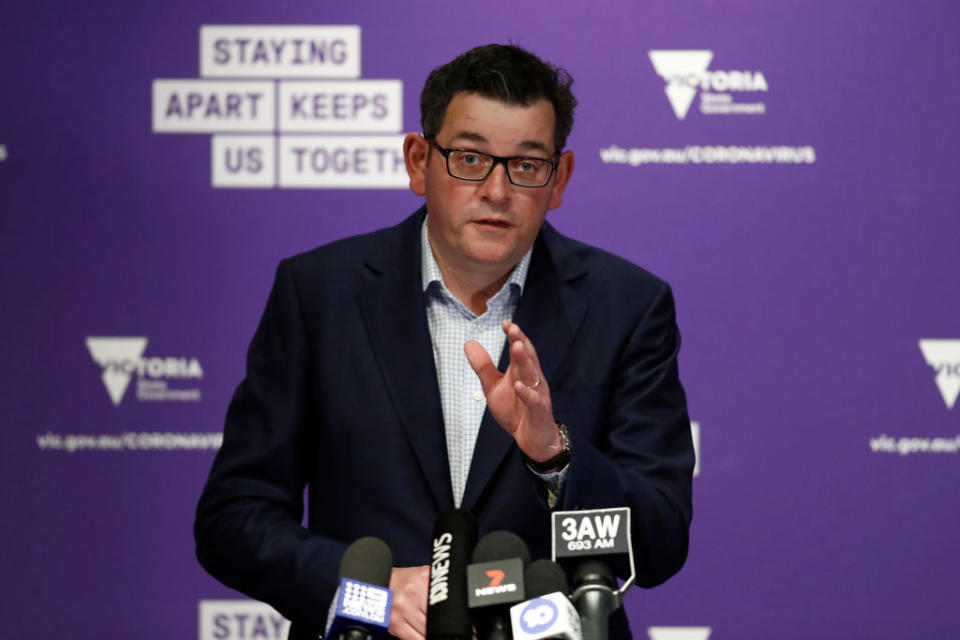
{"points": [[496, 187]]}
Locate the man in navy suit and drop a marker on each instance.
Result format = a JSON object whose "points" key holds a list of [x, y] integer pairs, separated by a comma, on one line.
{"points": [[370, 378]]}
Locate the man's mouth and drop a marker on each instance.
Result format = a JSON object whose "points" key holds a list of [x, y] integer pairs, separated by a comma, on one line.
{"points": [[497, 223]]}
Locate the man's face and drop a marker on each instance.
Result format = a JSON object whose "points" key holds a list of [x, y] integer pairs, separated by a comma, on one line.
{"points": [[485, 227]]}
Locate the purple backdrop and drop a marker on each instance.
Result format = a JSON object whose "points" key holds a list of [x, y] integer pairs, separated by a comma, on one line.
{"points": [[791, 170]]}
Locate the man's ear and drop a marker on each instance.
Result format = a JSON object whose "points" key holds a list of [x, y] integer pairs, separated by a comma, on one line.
{"points": [[562, 177], [415, 152]]}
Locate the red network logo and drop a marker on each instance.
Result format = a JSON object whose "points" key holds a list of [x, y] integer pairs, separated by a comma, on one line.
{"points": [[496, 577]]}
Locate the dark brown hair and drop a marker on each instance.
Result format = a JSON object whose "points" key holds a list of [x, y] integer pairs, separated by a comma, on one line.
{"points": [[502, 72]]}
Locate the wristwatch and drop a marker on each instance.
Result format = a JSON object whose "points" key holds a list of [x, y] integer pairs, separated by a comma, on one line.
{"points": [[558, 461]]}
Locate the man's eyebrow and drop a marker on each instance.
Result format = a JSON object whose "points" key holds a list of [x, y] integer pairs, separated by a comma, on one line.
{"points": [[533, 145], [473, 136], [469, 136]]}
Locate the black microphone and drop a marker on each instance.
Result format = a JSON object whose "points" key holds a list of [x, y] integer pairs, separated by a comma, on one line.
{"points": [[585, 536], [454, 537], [545, 576], [595, 596], [361, 606], [495, 581], [548, 613]]}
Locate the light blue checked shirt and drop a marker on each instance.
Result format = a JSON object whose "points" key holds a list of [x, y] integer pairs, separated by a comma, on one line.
{"points": [[452, 324]]}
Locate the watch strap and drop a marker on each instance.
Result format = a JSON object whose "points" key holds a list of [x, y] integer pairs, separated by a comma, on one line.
{"points": [[558, 461]]}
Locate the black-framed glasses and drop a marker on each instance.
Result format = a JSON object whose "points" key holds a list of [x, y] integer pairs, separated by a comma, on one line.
{"points": [[522, 171]]}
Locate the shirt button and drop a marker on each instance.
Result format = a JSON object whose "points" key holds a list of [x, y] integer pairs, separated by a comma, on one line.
{"points": [[478, 395]]}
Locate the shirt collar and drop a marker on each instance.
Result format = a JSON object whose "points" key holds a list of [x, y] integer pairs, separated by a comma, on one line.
{"points": [[430, 270]]}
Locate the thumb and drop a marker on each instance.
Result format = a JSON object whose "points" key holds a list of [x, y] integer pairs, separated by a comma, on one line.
{"points": [[482, 365]]}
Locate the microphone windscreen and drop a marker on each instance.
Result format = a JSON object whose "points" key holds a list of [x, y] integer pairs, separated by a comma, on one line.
{"points": [[543, 577], [593, 572], [454, 536], [368, 560], [501, 545]]}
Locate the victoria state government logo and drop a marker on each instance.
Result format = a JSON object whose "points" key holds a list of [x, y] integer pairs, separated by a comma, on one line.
{"points": [[121, 359], [687, 72], [944, 357]]}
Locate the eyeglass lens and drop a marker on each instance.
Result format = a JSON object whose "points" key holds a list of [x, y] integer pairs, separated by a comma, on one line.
{"points": [[470, 165]]}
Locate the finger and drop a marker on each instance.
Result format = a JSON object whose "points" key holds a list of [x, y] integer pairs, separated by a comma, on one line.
{"points": [[536, 400], [527, 396], [514, 333], [523, 368], [424, 586], [419, 622], [405, 631], [482, 365], [408, 620], [410, 586], [414, 624]]}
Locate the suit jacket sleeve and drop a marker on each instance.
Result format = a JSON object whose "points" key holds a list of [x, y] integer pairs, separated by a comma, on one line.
{"points": [[641, 453], [248, 526]]}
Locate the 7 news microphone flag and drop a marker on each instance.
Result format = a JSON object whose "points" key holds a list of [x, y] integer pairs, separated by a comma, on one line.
{"points": [[495, 581]]}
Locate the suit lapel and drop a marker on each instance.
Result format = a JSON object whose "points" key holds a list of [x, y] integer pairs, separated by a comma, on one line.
{"points": [[394, 312], [550, 313]]}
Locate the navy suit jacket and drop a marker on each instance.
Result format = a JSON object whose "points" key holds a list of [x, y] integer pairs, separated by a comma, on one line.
{"points": [[341, 396]]}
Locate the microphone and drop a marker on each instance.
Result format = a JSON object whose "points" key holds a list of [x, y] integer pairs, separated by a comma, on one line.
{"points": [[454, 536], [586, 536], [545, 576], [495, 581], [361, 606], [548, 614], [595, 596]]}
